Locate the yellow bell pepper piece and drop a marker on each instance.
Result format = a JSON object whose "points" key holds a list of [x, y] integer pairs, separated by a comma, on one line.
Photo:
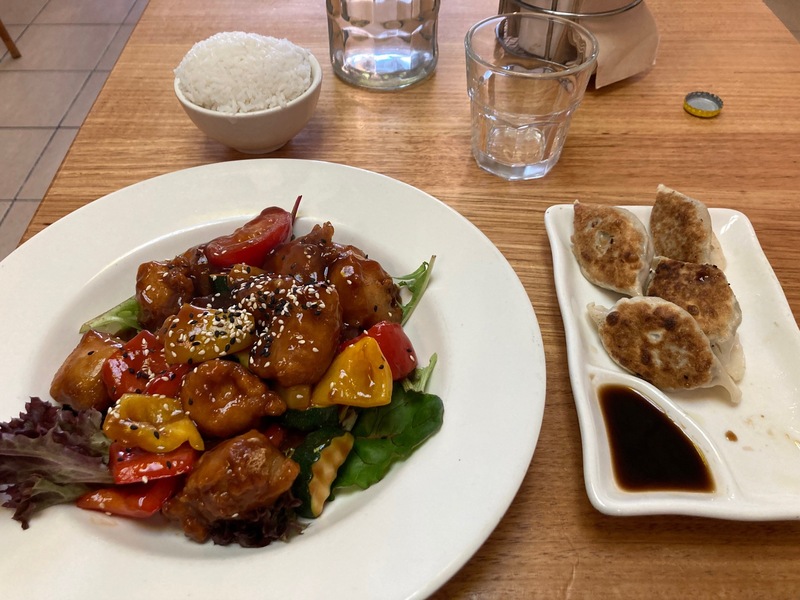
{"points": [[296, 397], [196, 335], [358, 376], [153, 423]]}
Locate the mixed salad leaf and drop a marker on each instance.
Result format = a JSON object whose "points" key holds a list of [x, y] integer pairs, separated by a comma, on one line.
{"points": [[118, 319], [416, 282], [50, 455]]}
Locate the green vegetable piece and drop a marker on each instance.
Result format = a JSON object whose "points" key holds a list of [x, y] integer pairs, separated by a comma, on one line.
{"points": [[416, 283], [121, 318], [311, 419], [320, 456], [418, 379], [387, 434], [219, 285]]}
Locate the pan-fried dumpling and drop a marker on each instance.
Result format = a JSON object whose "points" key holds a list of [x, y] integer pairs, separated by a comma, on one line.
{"points": [[704, 292], [681, 229], [660, 342], [612, 247]]}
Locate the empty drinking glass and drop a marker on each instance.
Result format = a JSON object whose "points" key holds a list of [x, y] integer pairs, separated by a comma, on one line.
{"points": [[526, 76]]}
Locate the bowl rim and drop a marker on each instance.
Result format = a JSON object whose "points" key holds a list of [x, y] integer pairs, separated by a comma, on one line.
{"points": [[316, 81]]}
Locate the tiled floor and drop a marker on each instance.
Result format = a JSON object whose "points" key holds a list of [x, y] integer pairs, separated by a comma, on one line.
{"points": [[68, 48]]}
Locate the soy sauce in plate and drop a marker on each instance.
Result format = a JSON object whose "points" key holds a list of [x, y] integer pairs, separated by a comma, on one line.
{"points": [[649, 451]]}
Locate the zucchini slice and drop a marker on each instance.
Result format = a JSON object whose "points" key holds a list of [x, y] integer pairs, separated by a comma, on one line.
{"points": [[311, 419], [319, 456]]}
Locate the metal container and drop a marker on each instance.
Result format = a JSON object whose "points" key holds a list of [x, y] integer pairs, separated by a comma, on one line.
{"points": [[571, 9]]}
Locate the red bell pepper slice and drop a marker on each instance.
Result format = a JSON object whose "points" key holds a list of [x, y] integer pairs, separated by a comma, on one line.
{"points": [[276, 434], [252, 242], [137, 501], [130, 369], [167, 383], [134, 465], [395, 346]]}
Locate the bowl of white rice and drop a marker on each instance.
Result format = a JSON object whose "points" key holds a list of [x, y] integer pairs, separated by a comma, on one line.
{"points": [[248, 91]]}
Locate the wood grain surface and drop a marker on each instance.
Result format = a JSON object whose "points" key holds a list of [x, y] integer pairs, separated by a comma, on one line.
{"points": [[625, 139]]}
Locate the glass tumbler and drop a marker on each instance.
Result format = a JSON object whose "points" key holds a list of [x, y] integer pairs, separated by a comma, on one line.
{"points": [[526, 75], [383, 44]]}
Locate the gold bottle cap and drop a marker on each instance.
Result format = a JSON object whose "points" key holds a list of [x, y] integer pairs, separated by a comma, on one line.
{"points": [[702, 104]]}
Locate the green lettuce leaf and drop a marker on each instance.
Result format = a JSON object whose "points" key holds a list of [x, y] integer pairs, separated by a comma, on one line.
{"points": [[417, 380], [120, 318], [416, 283]]}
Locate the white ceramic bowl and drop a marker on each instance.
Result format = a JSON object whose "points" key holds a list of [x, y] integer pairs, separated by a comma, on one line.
{"points": [[262, 131]]}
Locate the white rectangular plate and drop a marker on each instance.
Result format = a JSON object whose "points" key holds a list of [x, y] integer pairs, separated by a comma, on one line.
{"points": [[752, 449]]}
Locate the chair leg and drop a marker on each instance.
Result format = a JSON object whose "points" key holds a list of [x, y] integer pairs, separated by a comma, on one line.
{"points": [[12, 47]]}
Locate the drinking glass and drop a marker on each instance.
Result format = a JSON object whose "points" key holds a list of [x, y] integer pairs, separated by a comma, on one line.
{"points": [[383, 44], [526, 75]]}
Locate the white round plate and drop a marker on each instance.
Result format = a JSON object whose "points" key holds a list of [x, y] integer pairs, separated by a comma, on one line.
{"points": [[402, 538]]}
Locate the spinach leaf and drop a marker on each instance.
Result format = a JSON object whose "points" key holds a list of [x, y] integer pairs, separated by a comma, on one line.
{"points": [[390, 433]]}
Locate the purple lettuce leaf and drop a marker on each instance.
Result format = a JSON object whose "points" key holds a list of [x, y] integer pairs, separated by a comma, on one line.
{"points": [[50, 455]]}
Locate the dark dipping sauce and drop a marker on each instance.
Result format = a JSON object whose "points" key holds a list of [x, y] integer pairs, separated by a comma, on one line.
{"points": [[649, 452]]}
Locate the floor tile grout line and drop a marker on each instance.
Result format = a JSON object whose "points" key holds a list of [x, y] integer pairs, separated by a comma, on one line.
{"points": [[77, 96], [50, 70], [55, 131], [91, 72], [100, 58], [130, 11], [33, 168]]}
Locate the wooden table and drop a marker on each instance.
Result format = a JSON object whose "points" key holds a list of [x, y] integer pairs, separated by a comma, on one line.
{"points": [[625, 139]]}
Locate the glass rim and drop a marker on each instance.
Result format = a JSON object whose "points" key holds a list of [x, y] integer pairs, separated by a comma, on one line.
{"points": [[591, 59]]}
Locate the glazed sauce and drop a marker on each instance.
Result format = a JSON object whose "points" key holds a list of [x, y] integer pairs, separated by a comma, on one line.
{"points": [[649, 452]]}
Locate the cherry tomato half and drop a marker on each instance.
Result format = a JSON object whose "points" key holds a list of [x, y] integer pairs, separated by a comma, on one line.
{"points": [[251, 242], [395, 346], [130, 369], [138, 500], [134, 465]]}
